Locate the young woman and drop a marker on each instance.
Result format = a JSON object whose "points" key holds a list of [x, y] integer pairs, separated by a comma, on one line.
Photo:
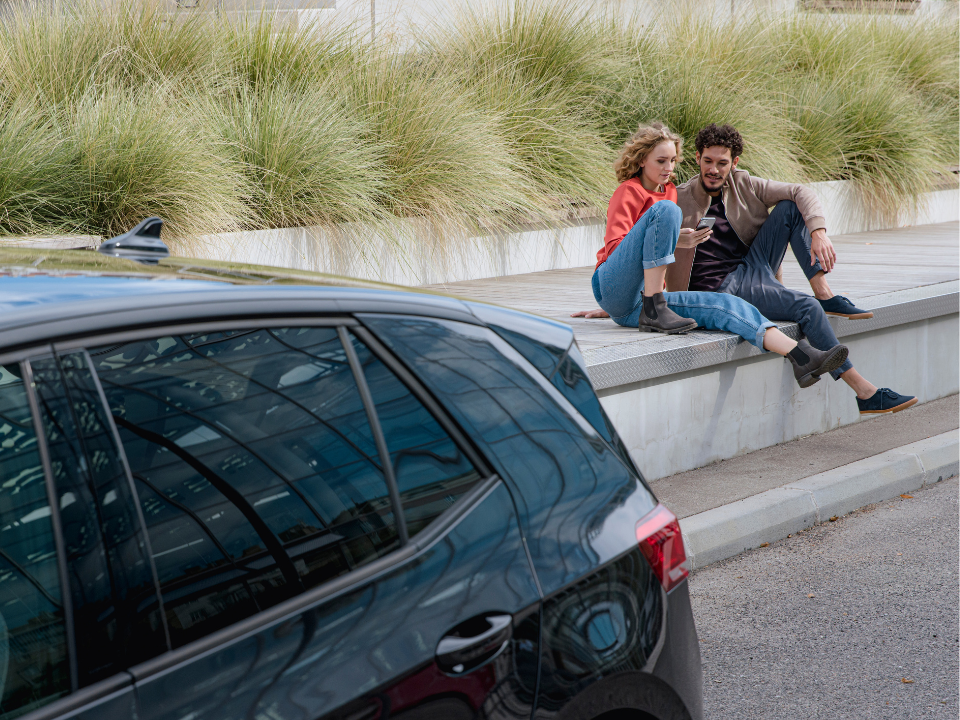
{"points": [[643, 229]]}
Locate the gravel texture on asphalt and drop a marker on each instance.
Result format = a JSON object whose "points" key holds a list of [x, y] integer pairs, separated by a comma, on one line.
{"points": [[856, 618]]}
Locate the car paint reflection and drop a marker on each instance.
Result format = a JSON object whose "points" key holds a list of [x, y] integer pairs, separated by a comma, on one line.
{"points": [[346, 653]]}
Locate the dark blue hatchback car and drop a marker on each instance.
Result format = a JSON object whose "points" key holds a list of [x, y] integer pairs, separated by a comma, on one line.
{"points": [[265, 501]]}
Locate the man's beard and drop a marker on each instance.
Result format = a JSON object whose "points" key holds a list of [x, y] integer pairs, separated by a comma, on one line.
{"points": [[709, 189]]}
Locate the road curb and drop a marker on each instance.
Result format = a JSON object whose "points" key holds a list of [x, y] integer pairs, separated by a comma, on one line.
{"points": [[728, 530]]}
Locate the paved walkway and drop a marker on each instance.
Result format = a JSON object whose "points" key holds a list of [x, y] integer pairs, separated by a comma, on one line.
{"points": [[868, 264]]}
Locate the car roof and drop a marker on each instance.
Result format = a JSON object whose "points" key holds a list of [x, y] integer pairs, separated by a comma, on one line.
{"points": [[56, 295], [36, 262]]}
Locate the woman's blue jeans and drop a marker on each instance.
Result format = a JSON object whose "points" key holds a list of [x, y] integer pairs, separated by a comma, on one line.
{"points": [[618, 282]]}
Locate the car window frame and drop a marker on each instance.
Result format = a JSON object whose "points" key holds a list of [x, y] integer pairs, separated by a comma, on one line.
{"points": [[43, 450], [125, 465], [433, 533]]}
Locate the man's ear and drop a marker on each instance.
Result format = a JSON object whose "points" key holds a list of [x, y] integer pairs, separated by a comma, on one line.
{"points": [[735, 161], [696, 157]]}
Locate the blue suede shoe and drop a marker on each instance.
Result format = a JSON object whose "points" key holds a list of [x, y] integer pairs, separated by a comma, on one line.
{"points": [[839, 306], [885, 400]]}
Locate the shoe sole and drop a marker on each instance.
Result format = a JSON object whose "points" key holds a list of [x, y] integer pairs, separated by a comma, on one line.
{"points": [[853, 316], [676, 331], [898, 408], [832, 362]]}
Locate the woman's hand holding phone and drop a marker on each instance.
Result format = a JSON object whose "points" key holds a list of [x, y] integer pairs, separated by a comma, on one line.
{"points": [[690, 238]]}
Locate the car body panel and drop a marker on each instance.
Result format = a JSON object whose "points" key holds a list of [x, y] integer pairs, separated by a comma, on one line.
{"points": [[49, 321], [121, 705], [370, 650], [566, 480]]}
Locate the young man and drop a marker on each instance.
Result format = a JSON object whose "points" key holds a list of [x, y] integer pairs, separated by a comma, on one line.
{"points": [[742, 255]]}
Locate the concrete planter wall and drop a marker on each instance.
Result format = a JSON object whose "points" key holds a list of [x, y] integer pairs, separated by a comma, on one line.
{"points": [[405, 18], [418, 257], [898, 7]]}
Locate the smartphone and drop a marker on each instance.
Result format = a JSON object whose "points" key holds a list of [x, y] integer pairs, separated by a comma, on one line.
{"points": [[706, 223]]}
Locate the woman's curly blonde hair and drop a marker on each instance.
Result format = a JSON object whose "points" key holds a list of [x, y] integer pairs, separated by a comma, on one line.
{"points": [[636, 149]]}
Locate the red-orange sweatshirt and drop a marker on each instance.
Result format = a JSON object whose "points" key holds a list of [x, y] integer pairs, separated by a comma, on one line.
{"points": [[629, 202]]}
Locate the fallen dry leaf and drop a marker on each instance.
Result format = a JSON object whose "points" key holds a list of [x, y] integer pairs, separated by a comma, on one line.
{"points": [[764, 544], [834, 518], [908, 497], [904, 680], [810, 595]]}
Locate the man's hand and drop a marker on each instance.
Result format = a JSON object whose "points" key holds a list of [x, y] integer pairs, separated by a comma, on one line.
{"points": [[590, 314], [690, 238], [822, 249]]}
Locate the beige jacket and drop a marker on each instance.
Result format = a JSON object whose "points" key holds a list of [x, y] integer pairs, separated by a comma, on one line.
{"points": [[747, 201]]}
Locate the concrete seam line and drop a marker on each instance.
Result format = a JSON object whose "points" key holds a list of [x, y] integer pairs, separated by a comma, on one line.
{"points": [[816, 505], [923, 470]]}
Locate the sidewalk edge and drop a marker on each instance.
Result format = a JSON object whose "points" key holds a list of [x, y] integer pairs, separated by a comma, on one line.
{"points": [[729, 530]]}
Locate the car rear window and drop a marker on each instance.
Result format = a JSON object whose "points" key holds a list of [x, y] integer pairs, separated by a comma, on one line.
{"points": [[430, 469]]}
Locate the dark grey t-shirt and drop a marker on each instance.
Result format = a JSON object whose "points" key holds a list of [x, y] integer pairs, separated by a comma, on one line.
{"points": [[718, 256]]}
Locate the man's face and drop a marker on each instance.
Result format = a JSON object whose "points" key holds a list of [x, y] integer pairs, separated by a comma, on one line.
{"points": [[715, 164]]}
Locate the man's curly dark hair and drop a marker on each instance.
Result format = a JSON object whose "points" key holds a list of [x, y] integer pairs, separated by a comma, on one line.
{"points": [[722, 135]]}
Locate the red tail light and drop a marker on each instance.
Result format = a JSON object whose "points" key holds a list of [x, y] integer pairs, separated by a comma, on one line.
{"points": [[658, 533]]}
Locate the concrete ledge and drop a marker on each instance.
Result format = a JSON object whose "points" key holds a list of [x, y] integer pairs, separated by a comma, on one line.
{"points": [[726, 531], [645, 359], [688, 420]]}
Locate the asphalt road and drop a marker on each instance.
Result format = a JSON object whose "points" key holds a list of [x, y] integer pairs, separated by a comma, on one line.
{"points": [[852, 619]]}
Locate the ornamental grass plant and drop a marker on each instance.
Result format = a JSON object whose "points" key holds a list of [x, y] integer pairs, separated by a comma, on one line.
{"points": [[304, 158], [113, 112]]}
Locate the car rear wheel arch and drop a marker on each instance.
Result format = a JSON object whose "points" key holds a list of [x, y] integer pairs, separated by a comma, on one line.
{"points": [[630, 695], [625, 714]]}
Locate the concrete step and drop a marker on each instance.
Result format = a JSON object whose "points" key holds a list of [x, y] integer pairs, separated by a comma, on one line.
{"points": [[711, 396], [727, 481], [779, 494]]}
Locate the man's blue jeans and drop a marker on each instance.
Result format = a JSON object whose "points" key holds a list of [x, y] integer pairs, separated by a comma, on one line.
{"points": [[618, 282], [754, 280]]}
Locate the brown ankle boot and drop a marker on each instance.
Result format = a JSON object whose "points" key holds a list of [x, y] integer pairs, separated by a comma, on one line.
{"points": [[657, 317]]}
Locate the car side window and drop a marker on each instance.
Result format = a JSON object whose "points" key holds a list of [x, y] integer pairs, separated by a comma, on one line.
{"points": [[256, 467], [34, 663]]}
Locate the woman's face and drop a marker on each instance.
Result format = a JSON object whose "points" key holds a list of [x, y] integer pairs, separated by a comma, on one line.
{"points": [[658, 165]]}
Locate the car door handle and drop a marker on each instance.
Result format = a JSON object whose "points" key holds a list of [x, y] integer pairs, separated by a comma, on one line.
{"points": [[474, 643]]}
